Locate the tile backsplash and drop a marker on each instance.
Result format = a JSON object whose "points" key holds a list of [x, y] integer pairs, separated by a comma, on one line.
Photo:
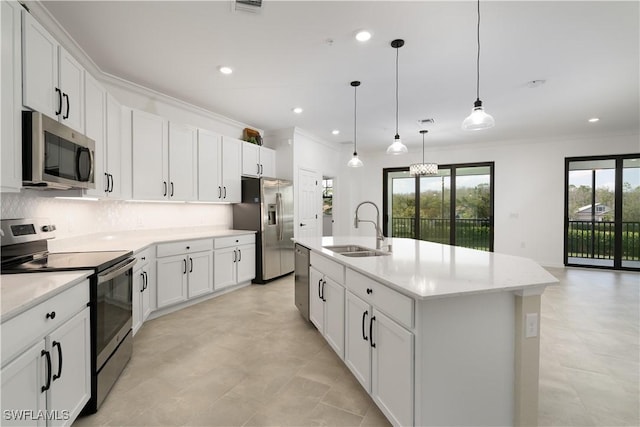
{"points": [[80, 217]]}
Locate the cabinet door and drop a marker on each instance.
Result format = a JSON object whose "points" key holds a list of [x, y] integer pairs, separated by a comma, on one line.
{"points": [[39, 68], [171, 285], [126, 157], [71, 79], [231, 169], [334, 316], [357, 354], [136, 297], [246, 263], [224, 268], [22, 382], [114, 146], [71, 366], [267, 162], [316, 304], [11, 89], [150, 162], [250, 159], [209, 166], [392, 369], [183, 165], [94, 125], [200, 274]]}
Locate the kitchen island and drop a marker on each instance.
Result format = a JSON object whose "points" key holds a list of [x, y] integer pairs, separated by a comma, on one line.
{"points": [[437, 334]]}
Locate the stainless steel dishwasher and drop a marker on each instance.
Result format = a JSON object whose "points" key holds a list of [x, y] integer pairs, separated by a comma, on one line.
{"points": [[302, 280]]}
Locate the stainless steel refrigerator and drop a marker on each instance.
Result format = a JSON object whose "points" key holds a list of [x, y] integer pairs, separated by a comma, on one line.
{"points": [[267, 208]]}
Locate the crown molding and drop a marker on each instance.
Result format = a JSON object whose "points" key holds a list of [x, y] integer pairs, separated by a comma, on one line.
{"points": [[315, 138]]}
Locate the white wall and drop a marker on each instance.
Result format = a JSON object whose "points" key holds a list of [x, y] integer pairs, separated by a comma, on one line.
{"points": [[529, 187]]}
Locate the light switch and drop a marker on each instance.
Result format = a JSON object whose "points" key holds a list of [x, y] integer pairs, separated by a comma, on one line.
{"points": [[531, 325]]}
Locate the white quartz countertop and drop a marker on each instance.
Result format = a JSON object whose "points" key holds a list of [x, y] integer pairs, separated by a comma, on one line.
{"points": [[425, 270], [136, 240], [20, 292]]}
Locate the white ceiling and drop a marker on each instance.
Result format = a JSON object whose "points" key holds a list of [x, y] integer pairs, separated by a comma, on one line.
{"points": [[303, 53]]}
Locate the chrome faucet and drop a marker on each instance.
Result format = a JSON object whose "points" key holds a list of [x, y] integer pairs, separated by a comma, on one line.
{"points": [[379, 235]]}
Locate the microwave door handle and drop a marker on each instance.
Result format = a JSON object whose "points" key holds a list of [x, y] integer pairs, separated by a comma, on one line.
{"points": [[90, 174], [115, 271]]}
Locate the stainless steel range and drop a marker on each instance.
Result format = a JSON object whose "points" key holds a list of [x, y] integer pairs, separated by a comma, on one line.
{"points": [[25, 250]]}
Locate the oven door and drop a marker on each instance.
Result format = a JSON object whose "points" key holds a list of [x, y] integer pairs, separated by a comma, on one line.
{"points": [[113, 309]]}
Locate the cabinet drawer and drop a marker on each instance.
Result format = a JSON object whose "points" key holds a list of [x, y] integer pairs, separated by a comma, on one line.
{"points": [[24, 329], [327, 267], [183, 247], [387, 300], [230, 241], [142, 257]]}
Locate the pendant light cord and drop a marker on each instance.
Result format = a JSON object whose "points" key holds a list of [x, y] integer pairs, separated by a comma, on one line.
{"points": [[478, 58], [423, 148], [397, 102], [355, 120]]}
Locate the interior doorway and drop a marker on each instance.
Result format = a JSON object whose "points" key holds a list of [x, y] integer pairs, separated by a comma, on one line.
{"points": [[327, 205]]}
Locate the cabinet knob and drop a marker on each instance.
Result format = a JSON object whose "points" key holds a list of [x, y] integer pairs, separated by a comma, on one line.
{"points": [[51, 315], [369, 291], [188, 247]]}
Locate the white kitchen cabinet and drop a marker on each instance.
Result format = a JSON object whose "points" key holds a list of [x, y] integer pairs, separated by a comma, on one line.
{"points": [[378, 350], [233, 260], [143, 287], [47, 359], [258, 161], [53, 81], [94, 124], [150, 148], [113, 167], [183, 163], [11, 89], [184, 271], [219, 168], [326, 308]]}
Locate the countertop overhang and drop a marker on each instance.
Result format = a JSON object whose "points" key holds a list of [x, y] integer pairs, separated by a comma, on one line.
{"points": [[427, 270]]}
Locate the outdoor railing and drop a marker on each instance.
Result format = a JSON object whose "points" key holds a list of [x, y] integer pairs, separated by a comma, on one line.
{"points": [[470, 233], [587, 239]]}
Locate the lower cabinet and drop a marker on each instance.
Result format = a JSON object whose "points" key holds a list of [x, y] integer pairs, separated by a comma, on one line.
{"points": [[234, 260], [326, 309], [50, 382], [183, 271], [379, 352], [143, 287]]}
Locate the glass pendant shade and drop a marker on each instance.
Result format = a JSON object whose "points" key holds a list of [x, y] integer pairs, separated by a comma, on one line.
{"points": [[355, 162], [478, 119], [397, 147]]}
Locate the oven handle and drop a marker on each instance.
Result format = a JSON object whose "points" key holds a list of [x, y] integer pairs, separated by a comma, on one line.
{"points": [[115, 271]]}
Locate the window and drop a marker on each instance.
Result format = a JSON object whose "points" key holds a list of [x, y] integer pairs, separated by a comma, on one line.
{"points": [[455, 207]]}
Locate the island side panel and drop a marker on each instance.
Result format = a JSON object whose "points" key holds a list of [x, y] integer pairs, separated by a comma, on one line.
{"points": [[527, 362], [465, 350]]}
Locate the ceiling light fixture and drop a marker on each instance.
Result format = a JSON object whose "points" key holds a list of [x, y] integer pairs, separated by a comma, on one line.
{"points": [[423, 169], [478, 119], [297, 110], [225, 70], [363, 36], [594, 120], [355, 162], [397, 147], [335, 132]]}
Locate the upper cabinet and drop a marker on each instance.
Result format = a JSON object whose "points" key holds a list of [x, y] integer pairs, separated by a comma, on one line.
{"points": [[94, 124], [164, 159], [53, 81], [219, 168], [114, 172], [258, 161], [11, 89]]}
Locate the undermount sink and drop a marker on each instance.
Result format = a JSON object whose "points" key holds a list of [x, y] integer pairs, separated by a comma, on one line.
{"points": [[355, 251]]}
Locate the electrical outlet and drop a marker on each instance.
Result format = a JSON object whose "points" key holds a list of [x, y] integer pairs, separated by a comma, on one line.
{"points": [[531, 325]]}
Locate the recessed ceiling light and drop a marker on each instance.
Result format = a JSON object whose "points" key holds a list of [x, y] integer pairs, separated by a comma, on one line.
{"points": [[225, 70], [363, 35], [536, 83], [335, 132], [297, 110], [594, 120]]}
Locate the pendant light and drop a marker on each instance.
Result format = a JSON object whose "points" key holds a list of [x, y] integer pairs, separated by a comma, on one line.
{"points": [[423, 169], [397, 147], [355, 162], [478, 119]]}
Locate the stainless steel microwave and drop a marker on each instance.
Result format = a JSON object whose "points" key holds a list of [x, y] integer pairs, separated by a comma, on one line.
{"points": [[54, 155]]}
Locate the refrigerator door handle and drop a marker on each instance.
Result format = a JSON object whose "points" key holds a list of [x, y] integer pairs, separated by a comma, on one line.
{"points": [[278, 215]]}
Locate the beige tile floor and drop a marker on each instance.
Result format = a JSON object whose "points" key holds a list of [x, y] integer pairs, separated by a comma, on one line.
{"points": [[247, 358]]}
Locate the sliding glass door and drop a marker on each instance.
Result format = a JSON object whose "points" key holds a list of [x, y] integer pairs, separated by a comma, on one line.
{"points": [[602, 212], [455, 207]]}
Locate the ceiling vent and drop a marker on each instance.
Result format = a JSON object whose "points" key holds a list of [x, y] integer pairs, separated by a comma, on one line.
{"points": [[254, 6]]}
